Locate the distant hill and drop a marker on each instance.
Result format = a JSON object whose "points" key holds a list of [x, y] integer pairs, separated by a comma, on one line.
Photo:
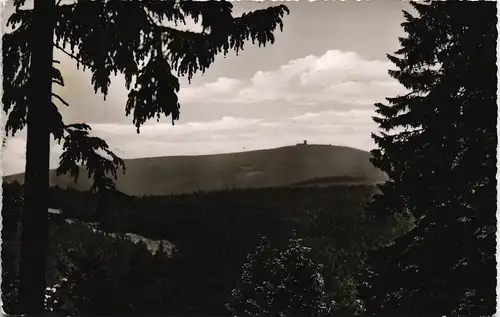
{"points": [[336, 180], [292, 165]]}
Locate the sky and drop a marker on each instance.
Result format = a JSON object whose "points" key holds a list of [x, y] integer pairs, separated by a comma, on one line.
{"points": [[318, 82]]}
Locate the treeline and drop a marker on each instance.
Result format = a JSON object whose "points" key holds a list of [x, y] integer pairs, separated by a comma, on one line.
{"points": [[214, 232]]}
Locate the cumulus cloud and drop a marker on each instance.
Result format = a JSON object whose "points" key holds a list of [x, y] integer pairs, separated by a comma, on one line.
{"points": [[336, 76], [216, 91], [338, 66]]}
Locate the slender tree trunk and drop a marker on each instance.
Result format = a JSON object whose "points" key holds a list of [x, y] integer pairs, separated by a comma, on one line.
{"points": [[34, 218]]}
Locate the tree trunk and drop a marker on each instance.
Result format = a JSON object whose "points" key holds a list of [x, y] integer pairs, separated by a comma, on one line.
{"points": [[34, 218]]}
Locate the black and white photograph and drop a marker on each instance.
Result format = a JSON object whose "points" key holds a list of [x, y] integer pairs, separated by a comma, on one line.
{"points": [[249, 158]]}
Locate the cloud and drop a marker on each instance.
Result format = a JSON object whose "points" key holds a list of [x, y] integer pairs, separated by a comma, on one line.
{"points": [[338, 66], [336, 79], [233, 134], [215, 91], [352, 117], [336, 76]]}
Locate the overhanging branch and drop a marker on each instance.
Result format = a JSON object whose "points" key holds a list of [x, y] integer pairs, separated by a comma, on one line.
{"points": [[72, 56]]}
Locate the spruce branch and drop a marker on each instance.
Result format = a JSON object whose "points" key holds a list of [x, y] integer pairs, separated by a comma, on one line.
{"points": [[60, 99]]}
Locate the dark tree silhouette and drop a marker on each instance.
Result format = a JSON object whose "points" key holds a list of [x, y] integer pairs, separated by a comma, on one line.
{"points": [[280, 283], [438, 147], [105, 37]]}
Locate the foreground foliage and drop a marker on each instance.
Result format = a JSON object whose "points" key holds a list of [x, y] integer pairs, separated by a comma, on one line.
{"points": [[439, 150]]}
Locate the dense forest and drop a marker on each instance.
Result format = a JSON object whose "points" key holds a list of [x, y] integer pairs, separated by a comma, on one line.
{"points": [[212, 233]]}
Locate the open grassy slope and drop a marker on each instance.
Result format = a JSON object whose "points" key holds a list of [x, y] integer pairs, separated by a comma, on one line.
{"points": [[291, 165]]}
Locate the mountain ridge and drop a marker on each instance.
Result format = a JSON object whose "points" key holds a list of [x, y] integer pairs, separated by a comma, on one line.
{"points": [[276, 167]]}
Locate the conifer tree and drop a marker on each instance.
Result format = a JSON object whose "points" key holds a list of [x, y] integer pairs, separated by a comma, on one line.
{"points": [[438, 146], [280, 283], [105, 37]]}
